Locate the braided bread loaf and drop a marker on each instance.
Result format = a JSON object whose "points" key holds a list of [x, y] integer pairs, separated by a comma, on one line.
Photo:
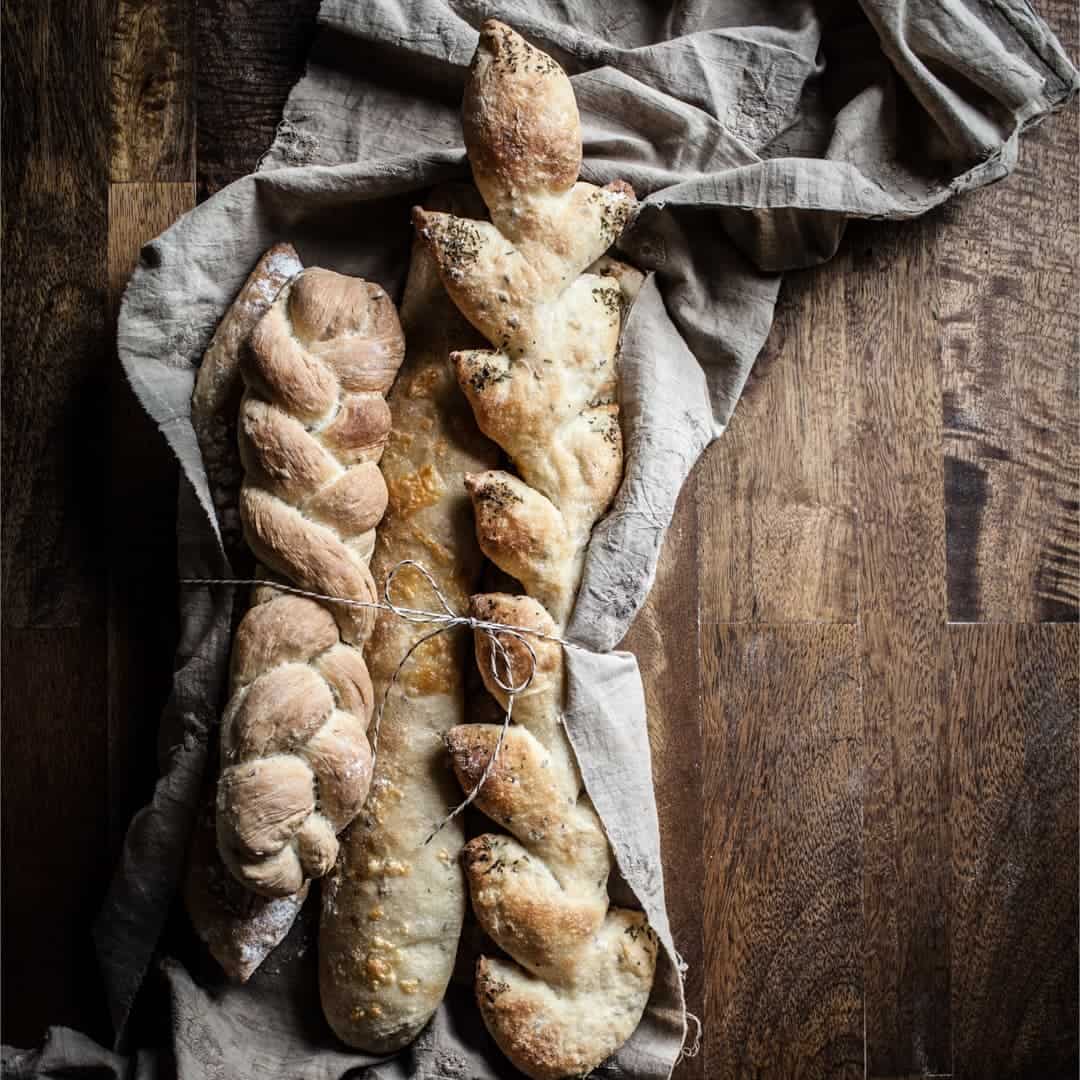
{"points": [[239, 927], [581, 971], [219, 387], [313, 424]]}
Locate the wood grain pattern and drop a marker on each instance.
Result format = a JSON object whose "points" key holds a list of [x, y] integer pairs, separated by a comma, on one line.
{"points": [[669, 672], [249, 58], [1013, 699], [780, 519], [55, 429], [152, 91], [53, 830], [783, 922], [1011, 378], [884, 467], [142, 625], [901, 622], [55, 386]]}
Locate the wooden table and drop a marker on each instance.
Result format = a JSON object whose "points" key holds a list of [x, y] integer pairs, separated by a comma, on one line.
{"points": [[860, 655]]}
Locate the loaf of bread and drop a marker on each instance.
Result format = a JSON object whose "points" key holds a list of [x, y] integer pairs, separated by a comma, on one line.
{"points": [[579, 971], [239, 927], [296, 762], [219, 387], [393, 907]]}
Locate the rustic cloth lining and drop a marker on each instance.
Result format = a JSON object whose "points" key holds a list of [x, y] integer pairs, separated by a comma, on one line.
{"points": [[752, 130]]}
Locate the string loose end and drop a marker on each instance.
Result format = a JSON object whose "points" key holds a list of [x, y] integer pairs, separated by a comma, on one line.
{"points": [[501, 666]]}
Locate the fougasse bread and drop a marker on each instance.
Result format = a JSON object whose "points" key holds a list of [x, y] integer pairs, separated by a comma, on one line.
{"points": [[577, 972]]}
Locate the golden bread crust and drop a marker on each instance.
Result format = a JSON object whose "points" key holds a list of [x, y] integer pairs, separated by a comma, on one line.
{"points": [[215, 402], [393, 906], [296, 763], [580, 971]]}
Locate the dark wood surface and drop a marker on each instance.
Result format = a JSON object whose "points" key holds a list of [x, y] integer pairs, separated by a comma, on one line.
{"points": [[56, 389], [860, 656], [784, 925]]}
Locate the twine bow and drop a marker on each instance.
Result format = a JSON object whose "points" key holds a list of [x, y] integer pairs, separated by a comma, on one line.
{"points": [[444, 620]]}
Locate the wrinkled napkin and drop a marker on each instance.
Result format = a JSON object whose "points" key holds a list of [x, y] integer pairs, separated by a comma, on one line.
{"points": [[751, 131]]}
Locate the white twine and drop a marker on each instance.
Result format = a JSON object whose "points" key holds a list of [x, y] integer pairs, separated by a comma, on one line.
{"points": [[694, 1048], [444, 620]]}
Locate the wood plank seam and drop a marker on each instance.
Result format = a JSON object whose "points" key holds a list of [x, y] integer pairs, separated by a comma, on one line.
{"points": [[901, 604], [152, 91], [55, 516]]}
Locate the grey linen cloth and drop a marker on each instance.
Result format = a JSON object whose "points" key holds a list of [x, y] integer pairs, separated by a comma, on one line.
{"points": [[752, 131]]}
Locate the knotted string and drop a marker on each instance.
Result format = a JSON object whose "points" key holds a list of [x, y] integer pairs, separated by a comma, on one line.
{"points": [[444, 620], [448, 619]]}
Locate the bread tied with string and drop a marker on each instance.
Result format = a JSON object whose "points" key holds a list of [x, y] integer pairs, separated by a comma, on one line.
{"points": [[296, 762], [580, 971], [393, 906]]}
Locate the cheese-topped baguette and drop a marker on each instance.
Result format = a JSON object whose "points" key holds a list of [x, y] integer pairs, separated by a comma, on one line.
{"points": [[392, 907], [580, 971]]}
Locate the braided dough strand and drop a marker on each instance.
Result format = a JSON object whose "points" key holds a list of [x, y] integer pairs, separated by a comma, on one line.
{"points": [[313, 424], [581, 971], [238, 926]]}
